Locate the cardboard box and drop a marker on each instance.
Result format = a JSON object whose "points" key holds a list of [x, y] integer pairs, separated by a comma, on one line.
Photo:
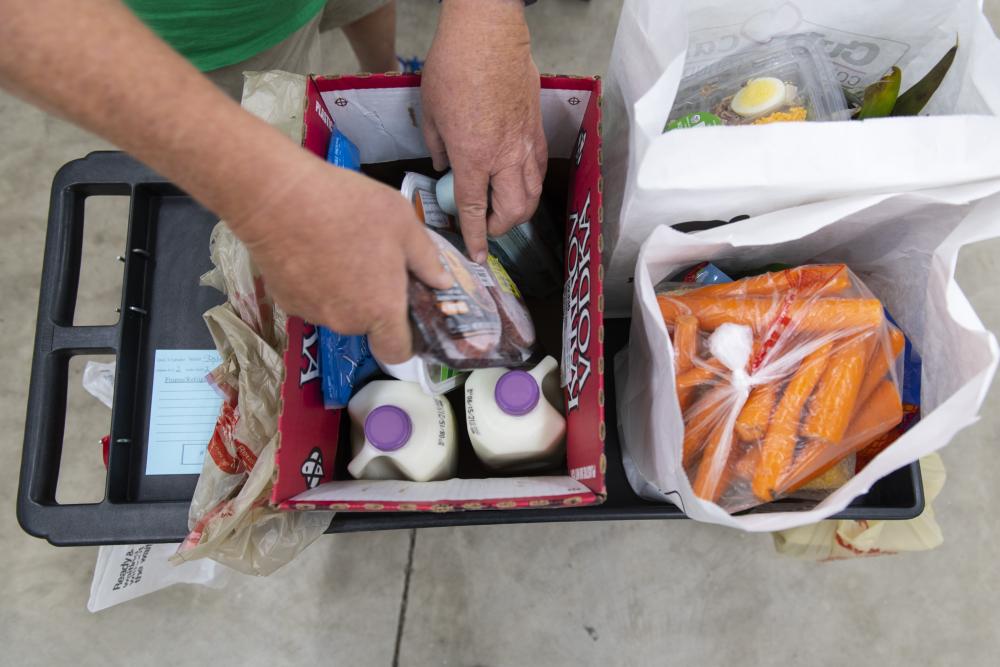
{"points": [[381, 114]]}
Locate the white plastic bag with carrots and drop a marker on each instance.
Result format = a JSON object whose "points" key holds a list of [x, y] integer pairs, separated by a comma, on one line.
{"points": [[718, 173], [904, 248]]}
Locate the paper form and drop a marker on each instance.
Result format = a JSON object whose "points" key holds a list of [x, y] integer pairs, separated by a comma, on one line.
{"points": [[183, 412]]}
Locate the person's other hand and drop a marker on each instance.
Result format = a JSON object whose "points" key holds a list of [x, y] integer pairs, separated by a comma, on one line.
{"points": [[334, 248], [482, 115]]}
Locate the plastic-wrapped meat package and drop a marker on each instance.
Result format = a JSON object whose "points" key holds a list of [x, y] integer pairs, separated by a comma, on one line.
{"points": [[781, 378], [479, 322]]}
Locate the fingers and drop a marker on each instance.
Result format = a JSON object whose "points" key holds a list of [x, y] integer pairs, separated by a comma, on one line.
{"points": [[423, 261], [439, 156], [510, 200], [470, 197], [390, 340]]}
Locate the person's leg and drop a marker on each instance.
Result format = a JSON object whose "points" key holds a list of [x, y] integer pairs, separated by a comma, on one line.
{"points": [[370, 27], [298, 53]]}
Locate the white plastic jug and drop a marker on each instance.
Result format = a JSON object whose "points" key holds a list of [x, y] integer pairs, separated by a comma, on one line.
{"points": [[514, 417], [400, 432]]}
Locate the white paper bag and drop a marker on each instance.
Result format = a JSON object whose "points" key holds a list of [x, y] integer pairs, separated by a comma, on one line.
{"points": [[125, 572], [903, 247], [718, 173]]}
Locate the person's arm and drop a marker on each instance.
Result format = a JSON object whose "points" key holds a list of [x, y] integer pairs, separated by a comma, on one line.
{"points": [[333, 246], [482, 115]]}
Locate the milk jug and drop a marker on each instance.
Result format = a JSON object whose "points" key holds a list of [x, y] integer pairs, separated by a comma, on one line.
{"points": [[514, 417], [400, 432]]}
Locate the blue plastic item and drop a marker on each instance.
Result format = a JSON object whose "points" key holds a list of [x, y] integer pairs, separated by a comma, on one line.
{"points": [[344, 361]]}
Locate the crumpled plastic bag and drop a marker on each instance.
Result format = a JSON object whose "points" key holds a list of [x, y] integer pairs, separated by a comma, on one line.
{"points": [[840, 540], [230, 519], [99, 381], [780, 377]]}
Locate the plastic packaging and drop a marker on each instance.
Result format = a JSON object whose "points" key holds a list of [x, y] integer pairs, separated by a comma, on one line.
{"points": [[227, 520], [514, 417], [342, 152], [843, 539], [479, 322], [399, 432], [345, 361], [99, 381], [529, 258], [527, 252], [780, 377], [704, 273], [434, 378], [420, 191], [788, 79]]}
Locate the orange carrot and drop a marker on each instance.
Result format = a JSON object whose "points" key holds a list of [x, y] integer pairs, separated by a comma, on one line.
{"points": [[779, 443], [714, 470], [752, 423], [685, 342], [747, 462], [879, 415], [833, 404], [813, 316], [878, 366], [801, 473], [881, 412], [809, 280], [695, 377], [701, 418]]}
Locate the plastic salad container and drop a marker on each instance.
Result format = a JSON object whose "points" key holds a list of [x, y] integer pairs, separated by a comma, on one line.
{"points": [[788, 79]]}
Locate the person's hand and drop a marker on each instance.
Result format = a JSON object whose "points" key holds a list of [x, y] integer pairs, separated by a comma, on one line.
{"points": [[334, 248], [482, 115]]}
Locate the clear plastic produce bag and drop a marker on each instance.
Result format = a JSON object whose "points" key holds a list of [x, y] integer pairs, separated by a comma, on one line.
{"points": [[779, 378]]}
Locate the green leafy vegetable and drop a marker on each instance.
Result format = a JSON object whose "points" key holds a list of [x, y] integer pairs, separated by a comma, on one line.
{"points": [[916, 98], [880, 97]]}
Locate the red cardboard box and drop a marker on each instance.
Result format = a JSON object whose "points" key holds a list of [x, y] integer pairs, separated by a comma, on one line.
{"points": [[381, 114]]}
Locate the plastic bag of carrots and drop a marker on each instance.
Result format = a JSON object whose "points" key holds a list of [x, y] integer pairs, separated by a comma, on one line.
{"points": [[780, 378]]}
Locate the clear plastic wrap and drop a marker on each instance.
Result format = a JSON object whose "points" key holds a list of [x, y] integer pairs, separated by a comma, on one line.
{"points": [[788, 79], [460, 327], [479, 322], [781, 378]]}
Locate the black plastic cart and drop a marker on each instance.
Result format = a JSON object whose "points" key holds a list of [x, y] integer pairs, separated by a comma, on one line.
{"points": [[162, 307]]}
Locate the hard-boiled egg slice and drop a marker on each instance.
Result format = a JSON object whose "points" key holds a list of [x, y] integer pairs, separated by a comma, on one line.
{"points": [[759, 96]]}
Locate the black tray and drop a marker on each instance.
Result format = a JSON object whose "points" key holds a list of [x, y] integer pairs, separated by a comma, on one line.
{"points": [[162, 307]]}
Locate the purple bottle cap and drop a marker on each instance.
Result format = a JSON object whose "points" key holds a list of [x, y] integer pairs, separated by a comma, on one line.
{"points": [[388, 427], [516, 393]]}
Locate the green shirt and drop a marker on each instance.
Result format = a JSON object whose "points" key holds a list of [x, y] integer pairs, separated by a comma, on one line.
{"points": [[216, 33]]}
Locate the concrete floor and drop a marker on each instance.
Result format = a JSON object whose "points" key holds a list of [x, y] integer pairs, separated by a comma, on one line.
{"points": [[636, 593]]}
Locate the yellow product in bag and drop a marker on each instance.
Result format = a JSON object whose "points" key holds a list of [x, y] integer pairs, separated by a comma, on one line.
{"points": [[839, 540]]}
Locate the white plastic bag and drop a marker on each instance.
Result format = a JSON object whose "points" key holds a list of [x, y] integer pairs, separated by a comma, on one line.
{"points": [[125, 572], [718, 173], [99, 380], [904, 247]]}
